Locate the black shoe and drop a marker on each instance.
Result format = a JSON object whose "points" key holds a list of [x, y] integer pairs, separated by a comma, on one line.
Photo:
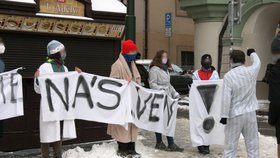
{"points": [[131, 150], [134, 154], [202, 150], [123, 150], [207, 149], [174, 148], [161, 146], [124, 154]]}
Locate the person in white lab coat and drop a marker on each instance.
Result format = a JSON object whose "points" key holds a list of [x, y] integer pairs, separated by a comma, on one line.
{"points": [[2, 69], [50, 132], [239, 104]]}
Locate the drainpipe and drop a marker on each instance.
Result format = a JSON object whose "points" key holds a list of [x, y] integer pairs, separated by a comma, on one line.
{"points": [[146, 29], [220, 49], [130, 21]]}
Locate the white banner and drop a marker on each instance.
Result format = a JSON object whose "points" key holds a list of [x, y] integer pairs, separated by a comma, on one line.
{"points": [[11, 99], [69, 96], [205, 111]]}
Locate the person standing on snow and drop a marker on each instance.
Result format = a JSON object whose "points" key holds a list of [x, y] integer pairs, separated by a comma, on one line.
{"points": [[2, 69], [272, 77], [239, 104], [50, 133], [207, 72], [2, 50], [124, 68], [160, 80]]}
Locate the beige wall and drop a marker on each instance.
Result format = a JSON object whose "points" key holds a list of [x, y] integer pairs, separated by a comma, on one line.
{"points": [[182, 30], [258, 33]]}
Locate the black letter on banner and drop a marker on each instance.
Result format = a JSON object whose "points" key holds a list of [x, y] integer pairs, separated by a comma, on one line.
{"points": [[93, 81], [100, 87], [154, 106], [86, 94], [13, 96], [140, 112], [2, 89], [49, 85], [169, 109]]}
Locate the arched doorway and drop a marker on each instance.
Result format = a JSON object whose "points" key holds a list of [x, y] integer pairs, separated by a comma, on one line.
{"points": [[257, 30]]}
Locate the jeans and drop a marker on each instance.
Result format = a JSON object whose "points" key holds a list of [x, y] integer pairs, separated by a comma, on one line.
{"points": [[170, 140]]}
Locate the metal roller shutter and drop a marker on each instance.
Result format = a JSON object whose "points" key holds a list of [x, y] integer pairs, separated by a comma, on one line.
{"points": [[29, 50]]}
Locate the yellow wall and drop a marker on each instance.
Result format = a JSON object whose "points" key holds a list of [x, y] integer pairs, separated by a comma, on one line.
{"points": [[182, 29]]}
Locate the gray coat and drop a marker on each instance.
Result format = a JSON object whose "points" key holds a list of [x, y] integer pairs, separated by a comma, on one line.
{"points": [[160, 80]]}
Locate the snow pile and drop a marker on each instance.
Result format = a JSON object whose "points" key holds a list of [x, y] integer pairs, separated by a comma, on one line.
{"points": [[146, 143], [98, 151], [113, 6]]}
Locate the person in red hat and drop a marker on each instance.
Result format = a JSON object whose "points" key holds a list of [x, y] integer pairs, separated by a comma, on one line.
{"points": [[124, 68]]}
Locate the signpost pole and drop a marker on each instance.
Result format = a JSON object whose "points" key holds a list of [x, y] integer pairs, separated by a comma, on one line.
{"points": [[168, 29]]}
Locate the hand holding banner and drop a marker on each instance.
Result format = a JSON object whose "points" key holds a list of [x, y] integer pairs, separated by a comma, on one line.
{"points": [[69, 96]]}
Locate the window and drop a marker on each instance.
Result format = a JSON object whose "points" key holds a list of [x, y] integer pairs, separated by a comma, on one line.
{"points": [[187, 60]]}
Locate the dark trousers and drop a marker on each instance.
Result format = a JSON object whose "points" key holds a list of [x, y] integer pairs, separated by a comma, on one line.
{"points": [[57, 149], [170, 140]]}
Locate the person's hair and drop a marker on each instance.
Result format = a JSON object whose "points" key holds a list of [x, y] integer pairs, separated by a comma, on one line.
{"points": [[206, 56], [138, 55], [157, 60], [237, 56]]}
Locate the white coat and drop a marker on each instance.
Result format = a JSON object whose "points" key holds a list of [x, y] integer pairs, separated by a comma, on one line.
{"points": [[50, 131]]}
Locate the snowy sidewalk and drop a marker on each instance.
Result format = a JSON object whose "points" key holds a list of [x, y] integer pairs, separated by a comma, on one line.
{"points": [[146, 143]]}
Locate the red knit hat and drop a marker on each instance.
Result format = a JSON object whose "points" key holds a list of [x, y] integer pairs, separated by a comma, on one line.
{"points": [[128, 46]]}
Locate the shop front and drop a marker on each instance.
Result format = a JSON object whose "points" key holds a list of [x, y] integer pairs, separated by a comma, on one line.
{"points": [[91, 34]]}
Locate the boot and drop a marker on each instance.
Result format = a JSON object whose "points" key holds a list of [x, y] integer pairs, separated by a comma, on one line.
{"points": [[207, 149], [161, 146], [123, 150], [202, 150], [174, 148], [131, 150]]}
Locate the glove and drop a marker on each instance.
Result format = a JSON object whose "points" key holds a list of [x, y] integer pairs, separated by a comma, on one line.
{"points": [[250, 51], [223, 121], [164, 89], [178, 97]]}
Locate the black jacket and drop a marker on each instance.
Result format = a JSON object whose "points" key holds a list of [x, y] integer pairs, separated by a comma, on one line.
{"points": [[273, 79], [144, 75]]}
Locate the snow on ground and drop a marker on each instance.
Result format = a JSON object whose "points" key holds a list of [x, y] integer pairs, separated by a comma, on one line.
{"points": [[146, 143]]}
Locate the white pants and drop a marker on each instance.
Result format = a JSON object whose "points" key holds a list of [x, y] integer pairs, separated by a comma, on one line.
{"points": [[247, 125]]}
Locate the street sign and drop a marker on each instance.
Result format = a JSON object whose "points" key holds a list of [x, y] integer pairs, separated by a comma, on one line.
{"points": [[168, 32], [168, 20]]}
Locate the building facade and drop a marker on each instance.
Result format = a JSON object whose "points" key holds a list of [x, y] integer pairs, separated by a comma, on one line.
{"points": [[151, 33], [259, 20], [91, 32]]}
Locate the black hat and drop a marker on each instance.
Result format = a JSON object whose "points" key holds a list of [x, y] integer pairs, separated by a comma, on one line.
{"points": [[275, 45], [206, 56]]}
